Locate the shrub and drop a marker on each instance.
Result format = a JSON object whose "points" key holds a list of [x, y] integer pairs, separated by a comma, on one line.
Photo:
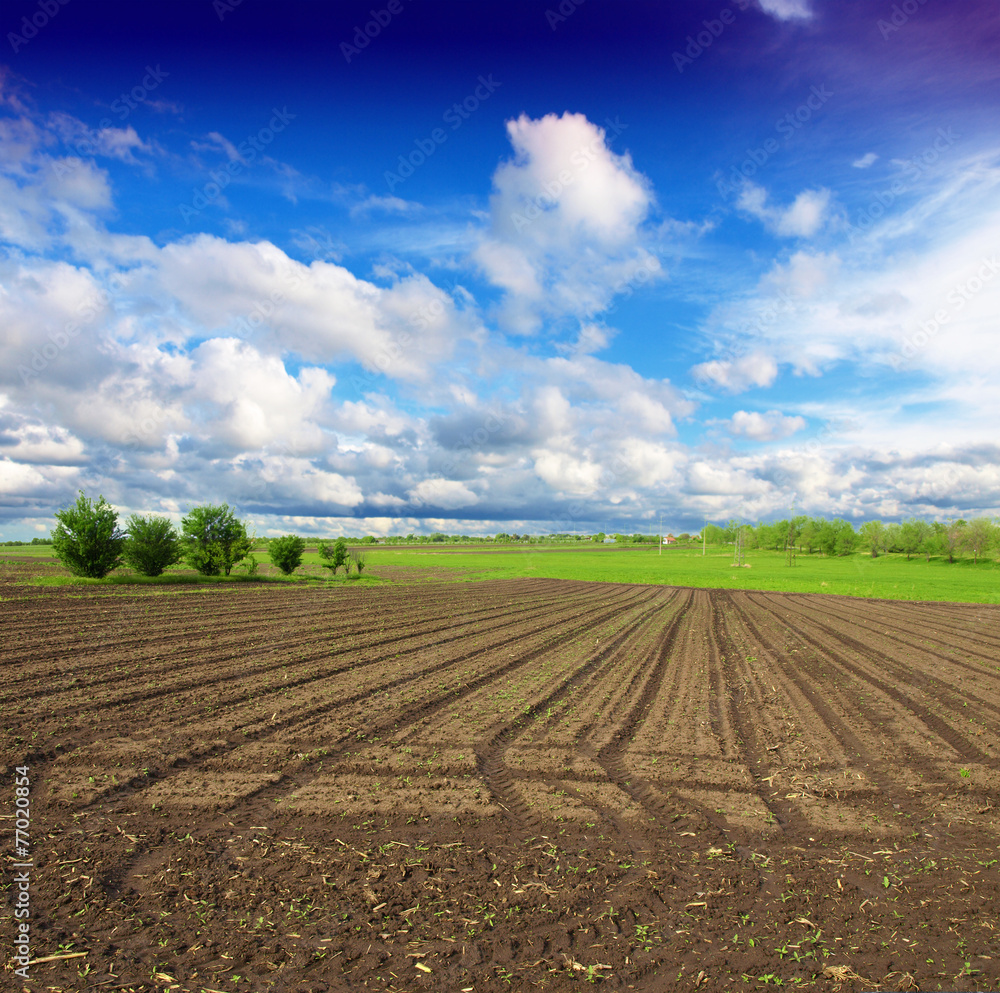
{"points": [[87, 539], [334, 555], [152, 545], [286, 552], [360, 561], [214, 539]]}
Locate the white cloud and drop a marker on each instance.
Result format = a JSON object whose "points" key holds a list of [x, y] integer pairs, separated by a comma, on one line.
{"points": [[866, 160], [448, 494], [566, 220], [392, 205], [801, 219], [764, 427], [322, 311], [787, 10], [114, 143], [255, 401], [740, 374]]}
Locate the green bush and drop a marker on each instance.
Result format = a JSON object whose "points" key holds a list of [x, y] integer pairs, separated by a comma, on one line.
{"points": [[215, 539], [152, 545], [87, 539], [286, 552], [334, 555]]}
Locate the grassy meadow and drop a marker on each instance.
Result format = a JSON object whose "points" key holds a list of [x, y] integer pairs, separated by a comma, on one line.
{"points": [[889, 576]]}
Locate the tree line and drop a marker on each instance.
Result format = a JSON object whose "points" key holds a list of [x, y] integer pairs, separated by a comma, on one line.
{"points": [[839, 537], [212, 540]]}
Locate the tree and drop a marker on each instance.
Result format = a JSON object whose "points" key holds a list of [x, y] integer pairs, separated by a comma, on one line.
{"points": [[836, 537], [215, 539], [360, 560], [714, 535], [950, 537], [87, 539], [286, 552], [978, 536], [914, 536], [152, 545], [893, 539], [809, 536], [334, 555], [872, 534]]}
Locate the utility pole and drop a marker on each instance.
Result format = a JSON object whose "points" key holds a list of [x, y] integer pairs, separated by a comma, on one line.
{"points": [[703, 538], [661, 534]]}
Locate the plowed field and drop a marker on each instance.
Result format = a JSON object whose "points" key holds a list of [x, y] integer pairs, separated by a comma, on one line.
{"points": [[511, 785]]}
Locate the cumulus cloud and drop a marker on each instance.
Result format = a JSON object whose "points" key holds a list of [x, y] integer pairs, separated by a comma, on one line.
{"points": [[801, 219], [321, 311], [566, 217], [770, 426], [739, 374], [446, 494], [866, 160], [388, 204], [108, 142], [787, 10], [326, 400]]}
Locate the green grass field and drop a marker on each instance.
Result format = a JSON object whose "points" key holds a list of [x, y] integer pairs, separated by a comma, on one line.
{"points": [[889, 577]]}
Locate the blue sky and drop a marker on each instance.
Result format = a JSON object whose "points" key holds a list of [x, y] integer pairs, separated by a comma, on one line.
{"points": [[500, 266]]}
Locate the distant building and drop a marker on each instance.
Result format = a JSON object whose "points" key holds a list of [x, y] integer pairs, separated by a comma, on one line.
{"points": [[670, 540]]}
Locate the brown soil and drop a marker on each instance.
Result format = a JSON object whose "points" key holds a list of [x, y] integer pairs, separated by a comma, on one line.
{"points": [[511, 785]]}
